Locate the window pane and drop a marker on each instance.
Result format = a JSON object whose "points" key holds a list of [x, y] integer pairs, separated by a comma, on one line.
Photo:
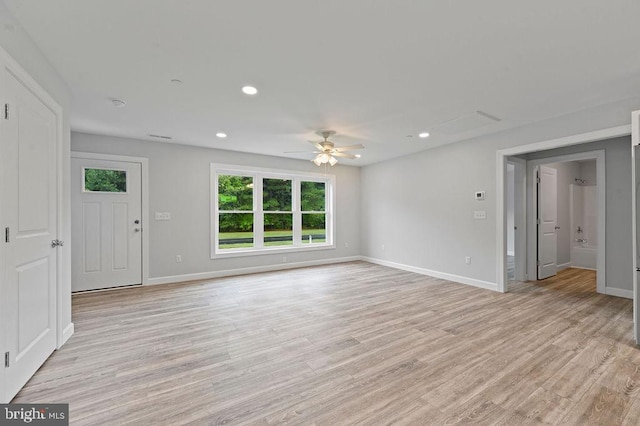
{"points": [[235, 192], [276, 195], [278, 229], [235, 230], [313, 228], [312, 195], [101, 180]]}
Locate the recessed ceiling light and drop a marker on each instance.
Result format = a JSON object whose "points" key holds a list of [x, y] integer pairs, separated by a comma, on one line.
{"points": [[176, 81], [358, 155], [249, 90], [423, 135], [118, 103], [221, 135]]}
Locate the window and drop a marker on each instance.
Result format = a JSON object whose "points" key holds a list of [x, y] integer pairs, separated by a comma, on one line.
{"points": [[105, 180], [259, 211]]}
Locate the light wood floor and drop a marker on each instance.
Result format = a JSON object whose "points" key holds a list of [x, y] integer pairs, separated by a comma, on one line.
{"points": [[353, 343]]}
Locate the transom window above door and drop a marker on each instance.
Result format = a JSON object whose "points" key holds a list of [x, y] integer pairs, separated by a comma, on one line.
{"points": [[104, 180], [257, 211]]}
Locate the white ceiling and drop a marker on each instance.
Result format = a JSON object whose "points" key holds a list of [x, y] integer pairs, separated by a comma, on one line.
{"points": [[375, 71]]}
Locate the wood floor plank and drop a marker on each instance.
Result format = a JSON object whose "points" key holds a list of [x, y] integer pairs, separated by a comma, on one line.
{"points": [[352, 343]]}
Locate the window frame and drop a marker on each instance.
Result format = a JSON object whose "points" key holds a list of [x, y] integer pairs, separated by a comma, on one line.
{"points": [[258, 174]]}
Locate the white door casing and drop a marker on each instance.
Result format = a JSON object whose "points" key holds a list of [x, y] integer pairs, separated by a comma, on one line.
{"points": [[548, 222], [29, 195], [106, 228], [635, 173]]}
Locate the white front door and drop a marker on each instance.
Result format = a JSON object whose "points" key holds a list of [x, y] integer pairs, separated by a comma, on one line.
{"points": [[635, 167], [28, 155], [548, 222], [106, 210]]}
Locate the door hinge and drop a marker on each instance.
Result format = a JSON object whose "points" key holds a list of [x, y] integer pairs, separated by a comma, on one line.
{"points": [[6, 359], [7, 233], [6, 111], [537, 221], [538, 263]]}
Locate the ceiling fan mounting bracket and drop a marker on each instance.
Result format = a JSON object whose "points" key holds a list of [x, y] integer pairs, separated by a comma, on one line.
{"points": [[326, 134]]}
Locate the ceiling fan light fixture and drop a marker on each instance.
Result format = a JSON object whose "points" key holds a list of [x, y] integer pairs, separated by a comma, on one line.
{"points": [[317, 161], [333, 161]]}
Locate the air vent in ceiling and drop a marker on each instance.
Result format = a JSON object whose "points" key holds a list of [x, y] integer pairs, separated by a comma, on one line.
{"points": [[468, 122], [159, 136]]}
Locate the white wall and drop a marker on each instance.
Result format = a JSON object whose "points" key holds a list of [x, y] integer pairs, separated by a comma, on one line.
{"points": [[420, 207], [22, 49], [179, 184], [588, 172]]}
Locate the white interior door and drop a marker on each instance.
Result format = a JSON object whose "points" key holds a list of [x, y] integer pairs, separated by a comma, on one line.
{"points": [[548, 222], [635, 167], [28, 155], [106, 203]]}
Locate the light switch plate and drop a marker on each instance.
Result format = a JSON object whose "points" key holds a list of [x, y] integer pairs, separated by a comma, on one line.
{"points": [[480, 214], [163, 216]]}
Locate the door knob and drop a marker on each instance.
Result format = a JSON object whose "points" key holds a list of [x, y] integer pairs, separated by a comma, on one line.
{"points": [[136, 221], [556, 227], [137, 229], [56, 243]]}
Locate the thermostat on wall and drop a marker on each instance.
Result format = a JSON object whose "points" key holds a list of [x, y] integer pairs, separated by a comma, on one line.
{"points": [[479, 195]]}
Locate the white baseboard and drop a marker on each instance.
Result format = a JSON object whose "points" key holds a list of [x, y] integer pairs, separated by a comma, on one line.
{"points": [[582, 267], [564, 266], [436, 274], [245, 271], [611, 291], [66, 334]]}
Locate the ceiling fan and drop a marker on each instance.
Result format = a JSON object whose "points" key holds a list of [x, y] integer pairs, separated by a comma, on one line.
{"points": [[326, 151]]}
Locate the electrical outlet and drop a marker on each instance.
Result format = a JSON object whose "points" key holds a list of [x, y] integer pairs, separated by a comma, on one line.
{"points": [[178, 258], [163, 216], [467, 260], [346, 245]]}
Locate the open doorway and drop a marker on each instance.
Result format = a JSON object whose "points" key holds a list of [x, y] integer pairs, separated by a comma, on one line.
{"points": [[566, 196], [516, 219]]}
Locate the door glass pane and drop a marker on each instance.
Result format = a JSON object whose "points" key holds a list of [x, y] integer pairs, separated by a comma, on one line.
{"points": [[313, 228], [235, 192], [235, 230], [276, 195], [312, 196], [278, 229], [104, 180]]}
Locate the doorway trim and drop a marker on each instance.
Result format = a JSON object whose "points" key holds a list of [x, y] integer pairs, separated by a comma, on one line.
{"points": [[144, 162], [501, 172], [532, 207]]}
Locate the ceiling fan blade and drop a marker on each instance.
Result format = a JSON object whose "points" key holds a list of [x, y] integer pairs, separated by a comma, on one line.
{"points": [[300, 152], [349, 147], [343, 155], [317, 145]]}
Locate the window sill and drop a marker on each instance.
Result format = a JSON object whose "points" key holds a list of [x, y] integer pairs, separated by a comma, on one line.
{"points": [[270, 250]]}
